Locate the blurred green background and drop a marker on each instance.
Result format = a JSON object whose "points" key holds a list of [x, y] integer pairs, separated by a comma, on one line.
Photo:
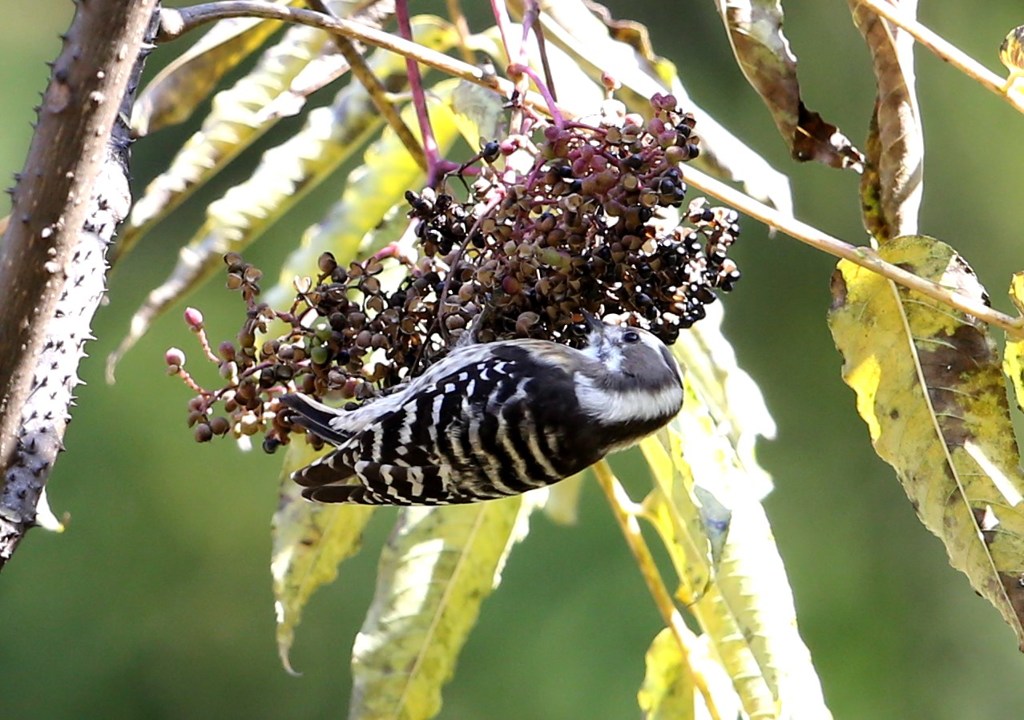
{"points": [[156, 602]]}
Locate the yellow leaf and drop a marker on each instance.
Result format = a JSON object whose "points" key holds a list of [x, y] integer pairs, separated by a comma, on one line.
{"points": [[668, 689], [237, 118], [1013, 355], [669, 692], [747, 611], [285, 174], [435, 572], [174, 93], [674, 512], [929, 387], [371, 191], [309, 542]]}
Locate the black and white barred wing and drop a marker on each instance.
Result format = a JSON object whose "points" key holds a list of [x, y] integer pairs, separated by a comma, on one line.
{"points": [[490, 428]]}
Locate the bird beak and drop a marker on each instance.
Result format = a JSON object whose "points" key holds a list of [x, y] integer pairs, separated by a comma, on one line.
{"points": [[593, 324]]}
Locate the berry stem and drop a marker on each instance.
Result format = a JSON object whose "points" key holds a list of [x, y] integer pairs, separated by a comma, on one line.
{"points": [[556, 114]]}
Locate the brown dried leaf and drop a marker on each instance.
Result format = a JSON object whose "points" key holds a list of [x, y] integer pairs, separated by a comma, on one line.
{"points": [[892, 184], [764, 56]]}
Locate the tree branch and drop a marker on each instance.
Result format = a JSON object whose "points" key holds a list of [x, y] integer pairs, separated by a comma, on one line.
{"points": [[66, 204], [175, 23]]}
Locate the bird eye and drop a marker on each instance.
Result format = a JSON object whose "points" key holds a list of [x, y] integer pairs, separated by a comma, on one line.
{"points": [[631, 336]]}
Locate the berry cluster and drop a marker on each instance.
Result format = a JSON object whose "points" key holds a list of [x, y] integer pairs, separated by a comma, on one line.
{"points": [[595, 224]]}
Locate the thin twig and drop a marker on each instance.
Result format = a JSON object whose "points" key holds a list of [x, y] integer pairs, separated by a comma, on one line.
{"points": [[948, 51], [621, 506], [458, 19], [431, 153], [375, 89], [861, 255], [176, 22]]}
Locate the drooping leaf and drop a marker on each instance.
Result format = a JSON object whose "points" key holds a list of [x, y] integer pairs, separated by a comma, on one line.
{"points": [[715, 526], [285, 174], [747, 612], [763, 53], [673, 511], [623, 50], [436, 570], [239, 116], [172, 96], [310, 541], [893, 180], [727, 391], [929, 387]]}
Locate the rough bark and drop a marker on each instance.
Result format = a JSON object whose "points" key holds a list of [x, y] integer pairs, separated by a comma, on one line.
{"points": [[67, 203]]}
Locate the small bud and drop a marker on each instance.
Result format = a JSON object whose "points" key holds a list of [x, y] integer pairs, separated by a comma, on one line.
{"points": [[174, 357], [193, 318]]}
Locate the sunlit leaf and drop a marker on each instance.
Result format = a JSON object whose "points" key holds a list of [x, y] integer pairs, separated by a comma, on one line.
{"points": [[1013, 355], [310, 541], [372, 192], [173, 95], [239, 116], [764, 56], [435, 572], [674, 513], [930, 389], [668, 689], [747, 611], [285, 174], [728, 392]]}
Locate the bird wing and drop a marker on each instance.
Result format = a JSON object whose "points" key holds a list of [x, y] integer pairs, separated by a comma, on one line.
{"points": [[315, 417]]}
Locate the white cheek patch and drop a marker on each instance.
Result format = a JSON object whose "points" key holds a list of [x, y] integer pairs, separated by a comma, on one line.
{"points": [[625, 406]]}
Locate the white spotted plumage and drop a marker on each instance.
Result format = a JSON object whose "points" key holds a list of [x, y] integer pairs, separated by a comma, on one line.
{"points": [[492, 420]]}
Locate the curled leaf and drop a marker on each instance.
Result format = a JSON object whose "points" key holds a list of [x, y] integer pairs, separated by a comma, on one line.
{"points": [[764, 56], [893, 182]]}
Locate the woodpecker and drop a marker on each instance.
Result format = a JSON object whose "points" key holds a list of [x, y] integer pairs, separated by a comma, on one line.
{"points": [[492, 420]]}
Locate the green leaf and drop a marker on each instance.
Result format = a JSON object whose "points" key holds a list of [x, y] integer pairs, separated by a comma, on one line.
{"points": [[310, 541], [930, 388], [435, 572]]}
